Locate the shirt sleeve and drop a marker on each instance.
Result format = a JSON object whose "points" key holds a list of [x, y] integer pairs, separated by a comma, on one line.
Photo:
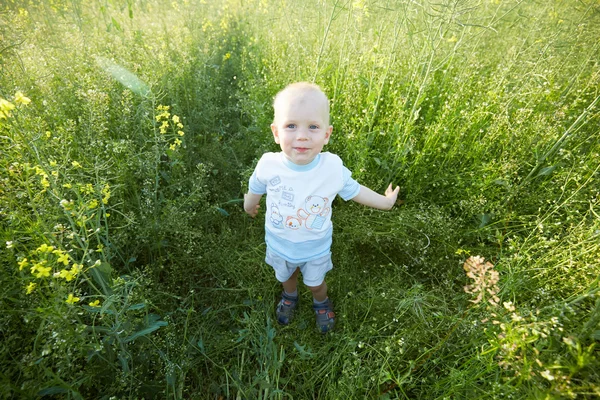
{"points": [[351, 186], [255, 186]]}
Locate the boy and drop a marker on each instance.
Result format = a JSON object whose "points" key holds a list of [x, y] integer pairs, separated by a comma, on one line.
{"points": [[301, 183]]}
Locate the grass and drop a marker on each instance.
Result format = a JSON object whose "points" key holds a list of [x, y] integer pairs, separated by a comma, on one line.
{"points": [[484, 112]]}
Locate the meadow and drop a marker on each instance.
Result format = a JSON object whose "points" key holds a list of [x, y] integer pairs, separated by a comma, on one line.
{"points": [[128, 132]]}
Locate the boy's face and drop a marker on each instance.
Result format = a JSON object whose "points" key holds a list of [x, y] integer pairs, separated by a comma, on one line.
{"points": [[301, 126]]}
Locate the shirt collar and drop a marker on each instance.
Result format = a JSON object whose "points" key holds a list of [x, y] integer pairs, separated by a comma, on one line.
{"points": [[300, 168]]}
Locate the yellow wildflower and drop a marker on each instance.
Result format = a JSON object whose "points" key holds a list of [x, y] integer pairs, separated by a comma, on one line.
{"points": [[71, 299], [76, 268], [66, 275], [21, 99], [44, 248], [23, 263], [93, 204], [175, 119], [75, 164], [95, 303], [105, 194], [39, 171], [48, 134], [172, 146], [5, 108], [67, 185], [53, 163], [39, 270], [63, 258], [180, 133], [30, 287], [67, 204], [180, 125], [177, 142], [88, 188]]}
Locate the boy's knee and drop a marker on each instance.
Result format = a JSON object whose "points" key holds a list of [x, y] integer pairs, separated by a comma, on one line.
{"points": [[317, 288]]}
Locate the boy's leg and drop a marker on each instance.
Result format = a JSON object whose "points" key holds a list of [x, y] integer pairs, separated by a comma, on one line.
{"points": [[323, 308], [319, 292], [290, 286], [289, 299]]}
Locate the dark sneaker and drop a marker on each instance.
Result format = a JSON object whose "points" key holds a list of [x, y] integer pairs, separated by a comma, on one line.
{"points": [[285, 309], [325, 316]]}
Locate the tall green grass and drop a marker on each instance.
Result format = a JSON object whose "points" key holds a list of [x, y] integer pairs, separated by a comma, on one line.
{"points": [[484, 112]]}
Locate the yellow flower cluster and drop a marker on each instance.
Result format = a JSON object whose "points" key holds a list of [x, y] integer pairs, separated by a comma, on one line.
{"points": [[6, 106], [43, 267], [69, 275], [105, 194], [166, 119], [43, 177], [72, 299]]}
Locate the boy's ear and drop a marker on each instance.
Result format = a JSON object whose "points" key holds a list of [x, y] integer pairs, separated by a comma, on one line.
{"points": [[275, 133], [328, 133]]}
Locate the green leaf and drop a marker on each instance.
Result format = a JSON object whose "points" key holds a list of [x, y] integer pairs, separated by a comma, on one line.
{"points": [[116, 24], [222, 211], [52, 390], [101, 275], [152, 323], [546, 171], [484, 219], [137, 306], [98, 329], [145, 331], [301, 349]]}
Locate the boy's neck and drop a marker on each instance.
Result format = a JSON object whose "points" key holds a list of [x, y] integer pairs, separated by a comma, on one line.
{"points": [[298, 167]]}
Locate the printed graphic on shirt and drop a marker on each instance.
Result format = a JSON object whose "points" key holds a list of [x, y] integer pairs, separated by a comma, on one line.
{"points": [[314, 215], [275, 181], [293, 223], [276, 218]]}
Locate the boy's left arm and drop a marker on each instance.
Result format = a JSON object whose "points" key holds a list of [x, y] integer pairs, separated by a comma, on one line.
{"points": [[373, 199]]}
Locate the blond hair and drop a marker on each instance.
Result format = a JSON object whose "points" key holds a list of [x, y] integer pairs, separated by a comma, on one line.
{"points": [[300, 89]]}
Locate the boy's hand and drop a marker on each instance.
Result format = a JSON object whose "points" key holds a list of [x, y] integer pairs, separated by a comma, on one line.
{"points": [[253, 212], [251, 205], [370, 198], [392, 195]]}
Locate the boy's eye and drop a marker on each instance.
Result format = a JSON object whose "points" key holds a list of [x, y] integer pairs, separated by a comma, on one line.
{"points": [[313, 127], [290, 126]]}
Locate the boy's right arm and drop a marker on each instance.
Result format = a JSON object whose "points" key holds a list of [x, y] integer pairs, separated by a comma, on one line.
{"points": [[251, 201]]}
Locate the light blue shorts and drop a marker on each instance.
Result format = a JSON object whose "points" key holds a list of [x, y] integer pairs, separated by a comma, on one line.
{"points": [[313, 271]]}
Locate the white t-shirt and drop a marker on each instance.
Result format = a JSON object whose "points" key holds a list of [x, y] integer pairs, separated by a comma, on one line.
{"points": [[298, 224]]}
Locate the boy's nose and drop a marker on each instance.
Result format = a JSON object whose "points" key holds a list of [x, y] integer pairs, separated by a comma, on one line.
{"points": [[302, 134]]}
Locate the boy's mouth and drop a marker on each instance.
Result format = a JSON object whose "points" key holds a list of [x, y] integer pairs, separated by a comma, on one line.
{"points": [[301, 149]]}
